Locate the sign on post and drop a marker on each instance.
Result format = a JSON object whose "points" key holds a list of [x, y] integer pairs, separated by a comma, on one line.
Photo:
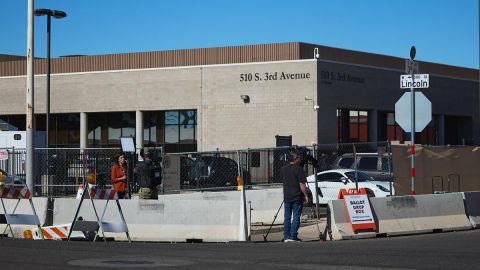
{"points": [[409, 65], [423, 112], [421, 81], [3, 154]]}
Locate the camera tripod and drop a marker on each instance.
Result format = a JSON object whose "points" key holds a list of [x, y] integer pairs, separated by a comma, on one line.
{"points": [[322, 235]]}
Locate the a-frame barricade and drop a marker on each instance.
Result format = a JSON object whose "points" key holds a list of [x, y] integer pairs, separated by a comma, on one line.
{"points": [[19, 194], [114, 227]]}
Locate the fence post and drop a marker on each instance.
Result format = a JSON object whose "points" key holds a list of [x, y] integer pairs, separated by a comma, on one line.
{"points": [[315, 176], [389, 160], [243, 230]]}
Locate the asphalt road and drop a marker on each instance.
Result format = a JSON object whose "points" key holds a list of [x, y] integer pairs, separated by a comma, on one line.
{"points": [[458, 250]]}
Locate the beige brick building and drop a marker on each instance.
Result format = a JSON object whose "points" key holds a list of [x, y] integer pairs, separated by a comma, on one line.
{"points": [[191, 100]]}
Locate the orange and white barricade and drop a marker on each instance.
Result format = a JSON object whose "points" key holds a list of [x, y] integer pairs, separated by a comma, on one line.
{"points": [[19, 194], [56, 232], [114, 227]]}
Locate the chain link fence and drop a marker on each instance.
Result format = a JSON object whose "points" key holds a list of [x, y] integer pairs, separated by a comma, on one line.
{"points": [[59, 171], [202, 170], [12, 165], [373, 158]]}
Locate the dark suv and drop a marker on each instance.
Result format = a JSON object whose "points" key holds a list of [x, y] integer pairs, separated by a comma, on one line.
{"points": [[209, 171], [378, 166]]}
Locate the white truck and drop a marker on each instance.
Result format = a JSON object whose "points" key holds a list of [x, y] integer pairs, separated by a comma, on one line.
{"points": [[18, 139]]}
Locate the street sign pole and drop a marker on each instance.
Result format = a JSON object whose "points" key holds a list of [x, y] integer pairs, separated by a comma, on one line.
{"points": [[412, 135], [412, 130]]}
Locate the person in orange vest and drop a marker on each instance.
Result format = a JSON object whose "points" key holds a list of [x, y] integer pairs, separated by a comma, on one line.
{"points": [[119, 176]]}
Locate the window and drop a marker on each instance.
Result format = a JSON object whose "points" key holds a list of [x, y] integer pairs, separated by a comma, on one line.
{"points": [[105, 129], [386, 165], [352, 125], [175, 131], [361, 177], [346, 162], [332, 177], [394, 131], [368, 163]]}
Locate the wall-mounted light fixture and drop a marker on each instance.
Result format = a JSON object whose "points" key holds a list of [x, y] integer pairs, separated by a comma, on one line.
{"points": [[315, 107], [245, 98], [316, 54]]}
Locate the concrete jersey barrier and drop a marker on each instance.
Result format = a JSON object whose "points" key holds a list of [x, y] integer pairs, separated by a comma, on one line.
{"points": [[404, 215], [209, 216], [472, 207]]}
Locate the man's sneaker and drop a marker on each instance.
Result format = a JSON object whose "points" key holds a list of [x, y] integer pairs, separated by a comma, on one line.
{"points": [[295, 240], [288, 240]]}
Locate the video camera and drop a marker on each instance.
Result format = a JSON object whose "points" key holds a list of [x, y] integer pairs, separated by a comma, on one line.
{"points": [[155, 155], [304, 154]]}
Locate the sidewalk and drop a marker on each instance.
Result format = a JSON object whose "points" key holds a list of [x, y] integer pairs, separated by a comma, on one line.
{"points": [[309, 230]]}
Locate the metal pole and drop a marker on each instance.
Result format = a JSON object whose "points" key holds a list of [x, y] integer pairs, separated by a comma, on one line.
{"points": [[412, 131], [47, 116], [30, 93], [355, 164], [315, 172]]}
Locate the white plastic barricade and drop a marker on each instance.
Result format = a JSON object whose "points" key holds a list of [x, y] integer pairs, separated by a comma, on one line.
{"points": [[114, 227], [19, 194], [56, 232]]}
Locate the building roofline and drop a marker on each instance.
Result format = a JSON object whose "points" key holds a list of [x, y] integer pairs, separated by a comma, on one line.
{"points": [[226, 55]]}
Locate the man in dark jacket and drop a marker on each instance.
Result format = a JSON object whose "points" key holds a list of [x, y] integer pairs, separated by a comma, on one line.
{"points": [[294, 195], [148, 188]]}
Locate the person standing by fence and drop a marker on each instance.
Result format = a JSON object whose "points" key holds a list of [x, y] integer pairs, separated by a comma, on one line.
{"points": [[148, 188], [119, 176], [294, 195]]}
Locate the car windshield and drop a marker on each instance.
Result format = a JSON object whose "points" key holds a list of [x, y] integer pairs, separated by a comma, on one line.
{"points": [[362, 177]]}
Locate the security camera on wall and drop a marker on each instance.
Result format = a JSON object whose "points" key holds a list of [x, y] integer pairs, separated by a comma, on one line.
{"points": [[316, 107], [316, 54]]}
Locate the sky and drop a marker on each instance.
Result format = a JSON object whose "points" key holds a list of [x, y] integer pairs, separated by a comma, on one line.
{"points": [[443, 31]]}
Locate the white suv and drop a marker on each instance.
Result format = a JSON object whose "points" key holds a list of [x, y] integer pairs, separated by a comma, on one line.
{"points": [[330, 182]]}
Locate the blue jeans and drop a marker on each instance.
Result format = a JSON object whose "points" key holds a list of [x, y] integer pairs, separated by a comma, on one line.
{"points": [[290, 228]]}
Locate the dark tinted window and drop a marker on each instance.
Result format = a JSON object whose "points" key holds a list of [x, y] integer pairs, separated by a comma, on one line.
{"points": [[345, 162], [368, 163], [362, 177], [385, 165], [332, 177]]}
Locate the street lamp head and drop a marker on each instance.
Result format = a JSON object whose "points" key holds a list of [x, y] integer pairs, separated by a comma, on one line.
{"points": [[413, 52], [59, 14], [54, 13]]}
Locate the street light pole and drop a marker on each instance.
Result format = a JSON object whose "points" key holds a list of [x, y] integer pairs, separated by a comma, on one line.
{"points": [[29, 101], [59, 15], [47, 109]]}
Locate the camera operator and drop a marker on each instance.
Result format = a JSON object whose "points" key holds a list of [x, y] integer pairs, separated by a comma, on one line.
{"points": [[294, 195], [148, 188]]}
